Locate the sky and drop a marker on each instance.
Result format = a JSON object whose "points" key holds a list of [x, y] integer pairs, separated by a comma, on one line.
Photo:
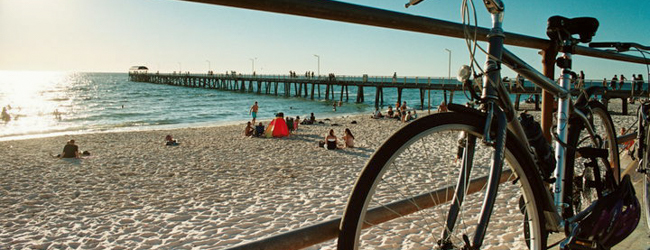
{"points": [[172, 35]]}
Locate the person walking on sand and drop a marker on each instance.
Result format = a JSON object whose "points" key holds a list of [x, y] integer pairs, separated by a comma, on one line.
{"points": [[70, 150], [253, 111]]}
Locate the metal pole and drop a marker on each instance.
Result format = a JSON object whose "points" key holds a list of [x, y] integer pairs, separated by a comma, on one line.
{"points": [[449, 66], [209, 66], [179, 68], [352, 13], [317, 56], [253, 67]]}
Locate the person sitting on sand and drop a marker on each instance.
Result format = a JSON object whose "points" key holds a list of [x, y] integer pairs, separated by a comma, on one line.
{"points": [[330, 140], [348, 138], [377, 114], [409, 117], [259, 130], [248, 131], [170, 141], [70, 150], [389, 112], [296, 122], [442, 107], [311, 120]]}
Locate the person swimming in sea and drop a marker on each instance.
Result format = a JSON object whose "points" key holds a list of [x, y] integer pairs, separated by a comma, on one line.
{"points": [[5, 115]]}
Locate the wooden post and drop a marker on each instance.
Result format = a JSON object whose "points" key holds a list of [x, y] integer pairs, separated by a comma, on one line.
{"points": [[327, 91], [399, 93], [548, 60], [377, 91], [422, 97]]}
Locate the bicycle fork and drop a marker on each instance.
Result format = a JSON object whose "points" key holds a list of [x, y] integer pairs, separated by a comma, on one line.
{"points": [[496, 168]]}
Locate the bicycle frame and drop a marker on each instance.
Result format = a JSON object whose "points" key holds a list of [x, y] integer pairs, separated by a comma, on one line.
{"points": [[499, 107]]}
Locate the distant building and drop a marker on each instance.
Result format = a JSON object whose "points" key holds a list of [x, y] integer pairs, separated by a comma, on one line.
{"points": [[138, 70]]}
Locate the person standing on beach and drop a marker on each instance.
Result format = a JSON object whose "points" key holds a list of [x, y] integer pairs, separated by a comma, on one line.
{"points": [[621, 82], [70, 150], [613, 82], [581, 80], [253, 111], [641, 82], [402, 110]]}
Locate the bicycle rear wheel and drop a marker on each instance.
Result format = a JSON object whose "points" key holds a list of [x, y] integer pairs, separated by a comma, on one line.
{"points": [[591, 180], [405, 193], [646, 177]]}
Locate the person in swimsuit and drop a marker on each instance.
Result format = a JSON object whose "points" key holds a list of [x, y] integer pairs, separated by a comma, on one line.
{"points": [[70, 150], [389, 112], [348, 138], [248, 131], [330, 140], [442, 107], [253, 111]]}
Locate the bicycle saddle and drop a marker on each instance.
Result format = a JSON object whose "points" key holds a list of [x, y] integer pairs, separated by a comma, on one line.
{"points": [[562, 28]]}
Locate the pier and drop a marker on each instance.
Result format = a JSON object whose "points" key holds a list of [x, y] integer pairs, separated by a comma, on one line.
{"points": [[312, 86], [305, 86]]}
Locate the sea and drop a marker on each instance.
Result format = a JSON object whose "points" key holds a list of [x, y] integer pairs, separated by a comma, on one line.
{"points": [[42, 104]]}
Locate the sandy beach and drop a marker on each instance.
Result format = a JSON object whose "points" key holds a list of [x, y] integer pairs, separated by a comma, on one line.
{"points": [[215, 190]]}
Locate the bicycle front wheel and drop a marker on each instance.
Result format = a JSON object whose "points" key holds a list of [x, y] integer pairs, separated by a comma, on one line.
{"points": [[412, 193]]}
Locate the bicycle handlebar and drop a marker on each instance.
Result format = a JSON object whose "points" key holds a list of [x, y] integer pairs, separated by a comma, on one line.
{"points": [[620, 47]]}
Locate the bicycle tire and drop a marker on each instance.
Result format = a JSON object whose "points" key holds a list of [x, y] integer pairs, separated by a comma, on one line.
{"points": [[374, 186], [585, 186]]}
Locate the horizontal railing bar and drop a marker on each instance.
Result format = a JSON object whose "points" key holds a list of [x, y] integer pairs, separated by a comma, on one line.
{"points": [[352, 13], [312, 235]]}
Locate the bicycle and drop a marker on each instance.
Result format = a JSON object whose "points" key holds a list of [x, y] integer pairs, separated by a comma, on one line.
{"points": [[643, 125], [424, 171]]}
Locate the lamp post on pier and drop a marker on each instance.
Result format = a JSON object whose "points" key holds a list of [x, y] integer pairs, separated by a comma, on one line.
{"points": [[180, 69], [253, 62], [318, 57], [209, 66], [449, 65]]}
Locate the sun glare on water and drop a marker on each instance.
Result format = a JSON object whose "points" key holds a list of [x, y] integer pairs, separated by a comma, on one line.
{"points": [[31, 101]]}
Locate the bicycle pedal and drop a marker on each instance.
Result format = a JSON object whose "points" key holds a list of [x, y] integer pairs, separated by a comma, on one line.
{"points": [[580, 245]]}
